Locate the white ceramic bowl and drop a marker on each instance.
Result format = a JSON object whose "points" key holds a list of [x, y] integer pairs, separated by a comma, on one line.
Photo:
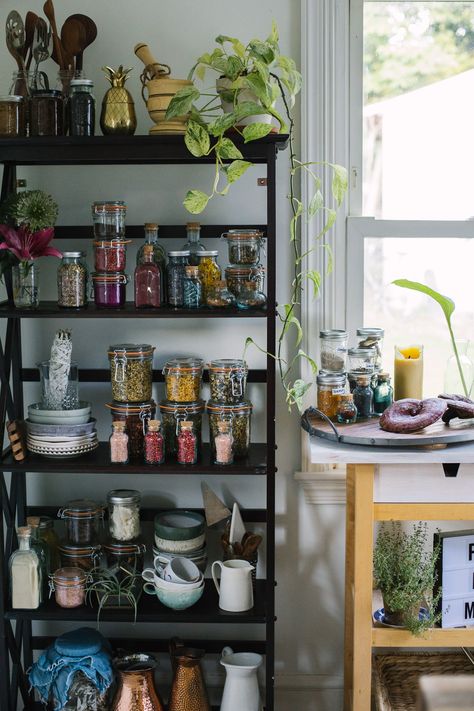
{"points": [[180, 547], [60, 417], [159, 583]]}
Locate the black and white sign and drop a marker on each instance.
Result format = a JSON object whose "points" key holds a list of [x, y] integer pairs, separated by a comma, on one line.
{"points": [[456, 578]]}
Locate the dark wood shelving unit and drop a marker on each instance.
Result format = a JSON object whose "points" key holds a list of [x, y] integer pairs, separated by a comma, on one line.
{"points": [[17, 643]]}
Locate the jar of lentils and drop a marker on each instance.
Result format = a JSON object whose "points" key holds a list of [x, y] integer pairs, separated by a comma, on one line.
{"points": [[330, 388], [69, 587], [83, 519], [136, 416], [72, 280], [209, 270], [84, 557], [227, 380], [172, 413], [131, 371], [239, 416], [109, 219], [175, 272], [244, 246], [183, 378], [124, 514]]}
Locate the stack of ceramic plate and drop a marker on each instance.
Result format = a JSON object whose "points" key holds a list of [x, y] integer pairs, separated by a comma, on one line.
{"points": [[61, 433], [181, 533]]}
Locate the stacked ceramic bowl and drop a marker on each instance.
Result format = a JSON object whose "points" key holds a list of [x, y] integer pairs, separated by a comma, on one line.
{"points": [[181, 533], [61, 433], [177, 582]]}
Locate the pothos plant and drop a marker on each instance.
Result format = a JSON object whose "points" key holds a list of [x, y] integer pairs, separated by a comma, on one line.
{"points": [[252, 79]]}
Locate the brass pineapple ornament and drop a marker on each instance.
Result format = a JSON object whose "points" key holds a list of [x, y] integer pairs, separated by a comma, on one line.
{"points": [[118, 110]]}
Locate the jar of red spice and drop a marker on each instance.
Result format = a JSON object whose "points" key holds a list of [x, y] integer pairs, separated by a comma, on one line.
{"points": [[110, 255], [187, 444], [69, 587], [154, 443]]}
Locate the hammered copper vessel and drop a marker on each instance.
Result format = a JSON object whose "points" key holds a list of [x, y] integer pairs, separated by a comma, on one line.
{"points": [[136, 690], [188, 692]]}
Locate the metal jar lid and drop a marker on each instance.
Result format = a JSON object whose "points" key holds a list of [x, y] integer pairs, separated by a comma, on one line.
{"points": [[130, 350], [333, 334], [208, 253], [124, 496], [375, 332], [11, 99], [179, 253], [74, 255], [324, 378]]}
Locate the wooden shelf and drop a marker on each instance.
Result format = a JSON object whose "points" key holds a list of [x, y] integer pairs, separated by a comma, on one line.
{"points": [[436, 637], [424, 512]]}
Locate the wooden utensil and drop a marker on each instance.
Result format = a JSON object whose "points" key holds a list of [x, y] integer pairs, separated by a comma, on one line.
{"points": [[91, 33], [30, 25], [15, 36], [73, 40], [48, 9]]}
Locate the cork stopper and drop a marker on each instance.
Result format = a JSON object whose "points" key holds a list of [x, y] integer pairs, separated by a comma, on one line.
{"points": [[193, 225], [33, 521], [154, 425], [148, 249], [119, 426], [223, 426], [24, 531], [192, 271], [151, 226], [186, 425]]}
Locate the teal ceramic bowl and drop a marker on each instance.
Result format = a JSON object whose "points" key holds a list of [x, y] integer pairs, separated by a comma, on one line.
{"points": [[179, 525], [175, 600]]}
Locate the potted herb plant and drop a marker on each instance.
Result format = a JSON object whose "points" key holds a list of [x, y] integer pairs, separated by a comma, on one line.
{"points": [[405, 572]]}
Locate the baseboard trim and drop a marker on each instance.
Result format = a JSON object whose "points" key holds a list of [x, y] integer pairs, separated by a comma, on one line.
{"points": [[325, 484]]}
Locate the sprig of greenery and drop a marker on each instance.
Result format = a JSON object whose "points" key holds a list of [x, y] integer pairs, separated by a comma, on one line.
{"points": [[106, 583], [33, 208]]}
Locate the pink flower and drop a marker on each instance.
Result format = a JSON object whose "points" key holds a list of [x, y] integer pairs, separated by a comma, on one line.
{"points": [[26, 245]]}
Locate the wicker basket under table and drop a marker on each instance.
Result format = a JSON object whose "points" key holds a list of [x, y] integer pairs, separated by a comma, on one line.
{"points": [[395, 676]]}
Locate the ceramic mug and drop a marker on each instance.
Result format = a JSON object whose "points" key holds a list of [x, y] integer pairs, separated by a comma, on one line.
{"points": [[176, 570], [235, 590]]}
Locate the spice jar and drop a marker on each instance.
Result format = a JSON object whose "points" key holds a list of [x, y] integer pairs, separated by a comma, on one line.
{"points": [[346, 412], [131, 371], [124, 514], [172, 413], [187, 444], [46, 113], [209, 270], [237, 276], [122, 557], [118, 442], [383, 393], [81, 108], [69, 587], [333, 350], [109, 219], [83, 520], [227, 380], [109, 290], [84, 557], [175, 272], [372, 338], [12, 116], [49, 536], [192, 288], [244, 246], [249, 297], [183, 378], [223, 443], [135, 416], [363, 396], [154, 444], [330, 387], [239, 417], [110, 255], [219, 296], [72, 280], [361, 360]]}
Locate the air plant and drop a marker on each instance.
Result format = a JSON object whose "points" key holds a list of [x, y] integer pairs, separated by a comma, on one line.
{"points": [[112, 584]]}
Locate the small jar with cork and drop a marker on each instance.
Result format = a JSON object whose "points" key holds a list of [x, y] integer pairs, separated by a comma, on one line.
{"points": [[118, 443]]}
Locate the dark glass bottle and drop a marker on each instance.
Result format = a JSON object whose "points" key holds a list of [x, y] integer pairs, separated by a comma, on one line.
{"points": [[147, 281], [363, 397], [383, 393], [81, 108]]}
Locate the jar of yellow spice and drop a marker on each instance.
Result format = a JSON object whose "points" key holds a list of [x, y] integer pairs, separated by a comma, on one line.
{"points": [[209, 270], [330, 388], [183, 378]]}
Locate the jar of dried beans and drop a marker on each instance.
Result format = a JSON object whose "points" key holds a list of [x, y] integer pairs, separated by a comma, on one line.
{"points": [[84, 557], [72, 280], [209, 270], [131, 371], [135, 415], [172, 413], [124, 514], [183, 379], [83, 519], [227, 380], [109, 219], [110, 255], [187, 444], [239, 417], [244, 246], [330, 387], [69, 587]]}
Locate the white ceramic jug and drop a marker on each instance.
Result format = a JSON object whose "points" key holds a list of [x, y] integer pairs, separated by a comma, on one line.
{"points": [[235, 591], [241, 684]]}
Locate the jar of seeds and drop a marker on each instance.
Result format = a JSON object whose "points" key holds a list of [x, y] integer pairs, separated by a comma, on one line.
{"points": [[239, 416], [135, 415], [131, 371], [72, 280], [244, 246], [172, 413], [227, 380], [183, 379]]}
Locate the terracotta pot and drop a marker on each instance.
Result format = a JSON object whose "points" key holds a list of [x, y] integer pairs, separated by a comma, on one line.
{"points": [[160, 93]]}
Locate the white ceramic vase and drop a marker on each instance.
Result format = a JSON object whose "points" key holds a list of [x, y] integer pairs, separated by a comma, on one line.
{"points": [[225, 84], [241, 685]]}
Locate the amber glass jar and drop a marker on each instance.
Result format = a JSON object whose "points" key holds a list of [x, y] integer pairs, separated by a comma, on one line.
{"points": [[330, 387]]}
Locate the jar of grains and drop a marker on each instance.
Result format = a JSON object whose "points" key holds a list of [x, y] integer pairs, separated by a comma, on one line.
{"points": [[175, 274], [330, 387], [110, 255], [46, 113], [72, 280], [109, 219], [124, 514], [237, 276], [135, 415], [131, 371], [244, 246], [172, 413], [239, 416], [227, 380], [109, 290], [83, 519], [209, 270], [12, 116], [69, 586], [333, 350], [183, 378], [84, 557]]}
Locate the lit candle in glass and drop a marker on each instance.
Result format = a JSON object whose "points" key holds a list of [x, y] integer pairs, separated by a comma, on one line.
{"points": [[409, 372]]}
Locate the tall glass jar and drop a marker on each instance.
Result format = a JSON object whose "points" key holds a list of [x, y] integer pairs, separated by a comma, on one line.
{"points": [[333, 350], [176, 270], [72, 280], [42, 551], [46, 113], [124, 514], [183, 378], [135, 415], [84, 520], [12, 116], [383, 393], [172, 413], [224, 444], [25, 573], [154, 443], [363, 397], [118, 443], [194, 244], [187, 444], [81, 108], [192, 288], [131, 371], [26, 285], [452, 378], [239, 416], [147, 281], [209, 270]]}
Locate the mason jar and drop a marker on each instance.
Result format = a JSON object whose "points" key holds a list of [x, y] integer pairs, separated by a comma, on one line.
{"points": [[333, 350], [243, 246], [131, 371], [124, 514], [183, 378], [172, 413], [227, 380], [330, 387], [239, 416], [72, 280]]}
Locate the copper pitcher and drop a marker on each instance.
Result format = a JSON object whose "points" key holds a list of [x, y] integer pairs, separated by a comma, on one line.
{"points": [[136, 690], [188, 691]]}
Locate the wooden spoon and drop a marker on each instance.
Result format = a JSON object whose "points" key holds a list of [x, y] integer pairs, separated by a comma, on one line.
{"points": [[73, 39], [91, 33], [30, 26], [48, 9]]}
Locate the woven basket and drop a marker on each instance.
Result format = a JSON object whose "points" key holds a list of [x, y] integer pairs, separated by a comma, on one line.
{"points": [[395, 676]]}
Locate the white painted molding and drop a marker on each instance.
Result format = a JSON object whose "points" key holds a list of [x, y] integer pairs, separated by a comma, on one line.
{"points": [[325, 484]]}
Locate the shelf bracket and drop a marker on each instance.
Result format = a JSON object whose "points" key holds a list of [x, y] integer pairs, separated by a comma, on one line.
{"points": [[451, 470]]}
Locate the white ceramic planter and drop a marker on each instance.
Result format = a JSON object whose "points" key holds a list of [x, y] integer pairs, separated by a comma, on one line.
{"points": [[224, 84]]}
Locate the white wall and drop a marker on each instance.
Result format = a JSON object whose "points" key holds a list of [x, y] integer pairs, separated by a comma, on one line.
{"points": [[309, 644]]}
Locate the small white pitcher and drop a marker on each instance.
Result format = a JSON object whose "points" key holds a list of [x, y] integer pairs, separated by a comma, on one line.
{"points": [[241, 685], [235, 591]]}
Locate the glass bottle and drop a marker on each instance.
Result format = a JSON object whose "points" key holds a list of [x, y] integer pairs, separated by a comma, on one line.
{"points": [[154, 443], [346, 412], [118, 443], [383, 393], [452, 379], [177, 261], [249, 297], [42, 551], [192, 288], [187, 443], [25, 573], [159, 255], [194, 244], [219, 296], [147, 281], [81, 108], [209, 270], [51, 538], [363, 397], [223, 444]]}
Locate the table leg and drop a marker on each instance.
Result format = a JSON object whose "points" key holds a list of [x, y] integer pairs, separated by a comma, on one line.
{"points": [[349, 591]]}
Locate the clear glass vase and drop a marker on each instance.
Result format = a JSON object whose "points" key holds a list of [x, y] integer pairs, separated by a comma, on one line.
{"points": [[452, 379], [26, 285], [59, 390]]}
